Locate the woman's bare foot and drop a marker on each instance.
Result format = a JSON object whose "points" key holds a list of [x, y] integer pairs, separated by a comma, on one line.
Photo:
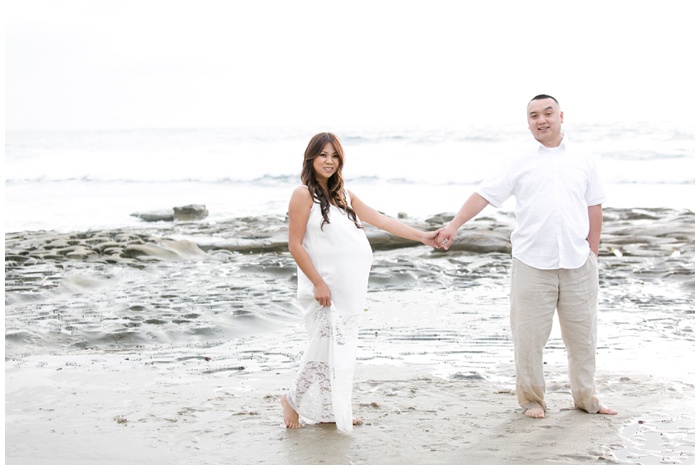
{"points": [[291, 417], [606, 411], [355, 422], [535, 412]]}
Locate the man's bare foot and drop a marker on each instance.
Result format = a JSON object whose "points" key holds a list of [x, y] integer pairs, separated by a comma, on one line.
{"points": [[606, 411], [535, 412], [291, 417]]}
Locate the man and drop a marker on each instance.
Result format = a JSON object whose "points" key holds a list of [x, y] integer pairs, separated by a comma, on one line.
{"points": [[555, 242]]}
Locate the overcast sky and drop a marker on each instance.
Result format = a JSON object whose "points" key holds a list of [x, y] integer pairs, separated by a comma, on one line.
{"points": [[176, 63]]}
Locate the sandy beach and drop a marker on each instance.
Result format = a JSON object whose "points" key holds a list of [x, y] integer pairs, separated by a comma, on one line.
{"points": [[172, 343]]}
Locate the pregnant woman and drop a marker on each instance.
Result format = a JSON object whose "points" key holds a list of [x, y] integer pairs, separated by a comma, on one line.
{"points": [[333, 255]]}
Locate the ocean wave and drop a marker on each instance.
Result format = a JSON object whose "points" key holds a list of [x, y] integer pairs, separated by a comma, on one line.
{"points": [[94, 179], [268, 156], [645, 155], [68, 179], [424, 183], [423, 137]]}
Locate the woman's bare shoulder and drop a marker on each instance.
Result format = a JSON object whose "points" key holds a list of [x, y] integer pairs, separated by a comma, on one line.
{"points": [[352, 197], [301, 196], [301, 191]]}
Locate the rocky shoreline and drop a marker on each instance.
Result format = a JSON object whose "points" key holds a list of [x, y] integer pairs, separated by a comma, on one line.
{"points": [[206, 282], [653, 232]]}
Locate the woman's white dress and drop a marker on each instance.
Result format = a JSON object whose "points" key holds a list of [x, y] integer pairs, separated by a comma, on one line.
{"points": [[341, 253]]}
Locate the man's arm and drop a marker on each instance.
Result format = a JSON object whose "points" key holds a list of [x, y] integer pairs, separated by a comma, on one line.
{"points": [[475, 204], [595, 221]]}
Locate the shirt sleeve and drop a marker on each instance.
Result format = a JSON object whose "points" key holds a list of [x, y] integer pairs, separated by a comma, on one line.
{"points": [[498, 188], [595, 192]]}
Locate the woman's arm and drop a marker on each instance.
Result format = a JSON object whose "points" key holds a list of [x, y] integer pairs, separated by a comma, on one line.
{"points": [[393, 226], [299, 209]]}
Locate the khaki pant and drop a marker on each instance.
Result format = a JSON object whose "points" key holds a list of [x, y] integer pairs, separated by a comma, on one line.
{"points": [[535, 294]]}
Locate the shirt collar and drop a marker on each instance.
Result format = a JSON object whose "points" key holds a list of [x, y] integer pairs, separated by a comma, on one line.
{"points": [[542, 149]]}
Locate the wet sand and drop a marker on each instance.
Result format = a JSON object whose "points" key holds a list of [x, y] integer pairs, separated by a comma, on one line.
{"points": [[172, 343]]}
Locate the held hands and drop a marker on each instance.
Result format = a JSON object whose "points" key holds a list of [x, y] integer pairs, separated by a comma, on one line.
{"points": [[444, 238], [428, 238], [441, 238]]}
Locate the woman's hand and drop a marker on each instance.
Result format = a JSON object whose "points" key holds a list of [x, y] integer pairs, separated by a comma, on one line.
{"points": [[322, 294], [429, 238]]}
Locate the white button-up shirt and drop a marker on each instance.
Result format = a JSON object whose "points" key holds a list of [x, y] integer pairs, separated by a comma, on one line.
{"points": [[553, 188]]}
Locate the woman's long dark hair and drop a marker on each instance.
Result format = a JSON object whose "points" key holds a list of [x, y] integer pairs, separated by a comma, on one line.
{"points": [[336, 189]]}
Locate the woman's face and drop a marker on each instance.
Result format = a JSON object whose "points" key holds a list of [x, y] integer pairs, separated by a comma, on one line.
{"points": [[327, 163]]}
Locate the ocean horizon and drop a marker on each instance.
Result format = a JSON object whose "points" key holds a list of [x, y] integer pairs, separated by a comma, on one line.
{"points": [[92, 179]]}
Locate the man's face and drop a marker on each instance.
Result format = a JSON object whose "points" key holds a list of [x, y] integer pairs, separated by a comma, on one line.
{"points": [[544, 118]]}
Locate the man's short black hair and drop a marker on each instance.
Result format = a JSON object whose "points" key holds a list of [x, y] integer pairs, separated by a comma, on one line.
{"points": [[544, 97]]}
